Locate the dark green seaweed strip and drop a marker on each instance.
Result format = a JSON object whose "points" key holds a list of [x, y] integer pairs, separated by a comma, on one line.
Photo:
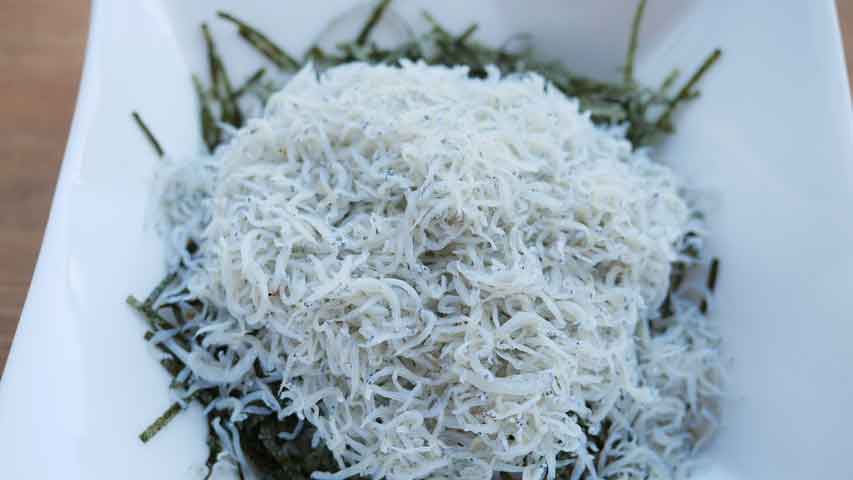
{"points": [[436, 27], [633, 42], [170, 364], [161, 422], [169, 415], [156, 321], [316, 55], [262, 43], [710, 283], [210, 131], [159, 289], [223, 92], [372, 21], [712, 274], [150, 136], [461, 39], [213, 446], [250, 83], [669, 81], [686, 93]]}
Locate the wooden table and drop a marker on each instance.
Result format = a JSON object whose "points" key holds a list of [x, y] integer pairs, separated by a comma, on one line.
{"points": [[41, 53]]}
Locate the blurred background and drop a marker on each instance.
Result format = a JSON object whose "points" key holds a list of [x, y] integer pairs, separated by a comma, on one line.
{"points": [[42, 44]]}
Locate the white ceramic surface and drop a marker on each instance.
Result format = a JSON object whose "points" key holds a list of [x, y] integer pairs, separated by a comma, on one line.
{"points": [[770, 139]]}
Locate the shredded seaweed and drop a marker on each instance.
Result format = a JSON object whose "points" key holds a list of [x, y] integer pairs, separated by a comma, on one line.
{"points": [[609, 103], [211, 133], [154, 319], [275, 459], [262, 43], [687, 92], [372, 21], [148, 135], [214, 448], [634, 42], [161, 422], [223, 92], [159, 289], [250, 83], [710, 283], [461, 39]]}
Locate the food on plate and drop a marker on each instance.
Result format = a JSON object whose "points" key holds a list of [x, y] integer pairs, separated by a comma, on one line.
{"points": [[440, 261]]}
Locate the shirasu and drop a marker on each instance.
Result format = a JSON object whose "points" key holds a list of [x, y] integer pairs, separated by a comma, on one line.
{"points": [[452, 277]]}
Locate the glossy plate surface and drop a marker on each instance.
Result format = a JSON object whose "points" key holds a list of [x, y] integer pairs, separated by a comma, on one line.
{"points": [[770, 140]]}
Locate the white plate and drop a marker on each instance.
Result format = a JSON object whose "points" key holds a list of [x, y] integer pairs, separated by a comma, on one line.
{"points": [[770, 137]]}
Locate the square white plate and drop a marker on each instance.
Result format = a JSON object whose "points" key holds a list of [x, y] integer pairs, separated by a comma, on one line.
{"points": [[770, 138]]}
